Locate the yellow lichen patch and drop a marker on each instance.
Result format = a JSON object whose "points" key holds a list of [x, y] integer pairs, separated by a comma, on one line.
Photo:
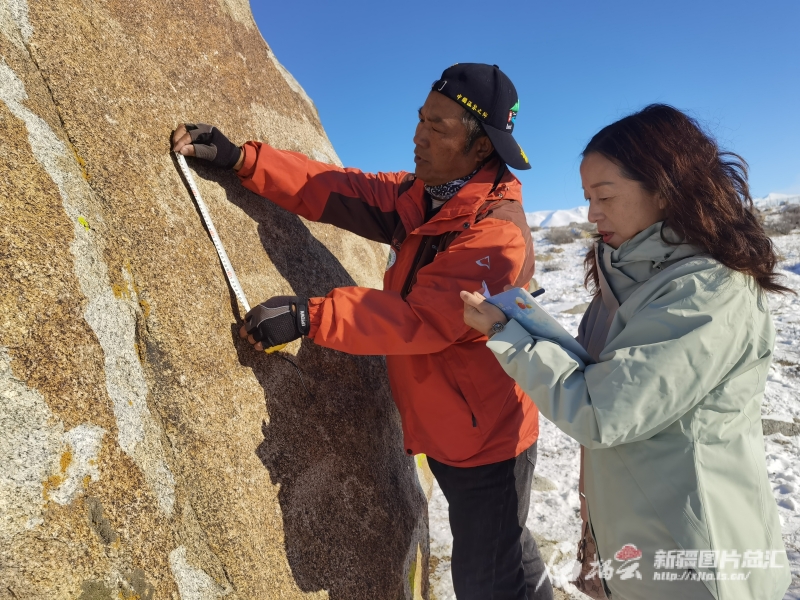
{"points": [[81, 164], [128, 595], [412, 572], [54, 481], [140, 352], [415, 576], [145, 307], [132, 279], [121, 291], [66, 460], [87, 479], [51, 483]]}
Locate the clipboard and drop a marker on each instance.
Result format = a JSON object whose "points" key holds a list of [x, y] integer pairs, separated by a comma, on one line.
{"points": [[518, 304]]}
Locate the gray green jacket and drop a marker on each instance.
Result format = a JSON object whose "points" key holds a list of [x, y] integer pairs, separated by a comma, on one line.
{"points": [[670, 416]]}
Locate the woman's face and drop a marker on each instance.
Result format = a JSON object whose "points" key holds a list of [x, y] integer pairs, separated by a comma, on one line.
{"points": [[620, 207]]}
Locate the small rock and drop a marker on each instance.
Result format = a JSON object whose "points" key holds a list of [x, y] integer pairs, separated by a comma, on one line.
{"points": [[542, 484], [578, 309], [786, 428]]}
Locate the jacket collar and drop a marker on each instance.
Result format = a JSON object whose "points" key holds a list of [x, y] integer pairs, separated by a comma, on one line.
{"points": [[640, 258], [460, 211]]}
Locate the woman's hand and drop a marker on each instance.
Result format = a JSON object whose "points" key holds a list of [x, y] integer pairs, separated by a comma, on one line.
{"points": [[479, 314]]}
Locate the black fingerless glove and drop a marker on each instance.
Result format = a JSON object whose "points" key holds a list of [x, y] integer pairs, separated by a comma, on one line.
{"points": [[279, 320], [211, 144]]}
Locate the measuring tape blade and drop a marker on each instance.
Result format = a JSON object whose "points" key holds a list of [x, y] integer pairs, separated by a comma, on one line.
{"points": [[212, 231]]}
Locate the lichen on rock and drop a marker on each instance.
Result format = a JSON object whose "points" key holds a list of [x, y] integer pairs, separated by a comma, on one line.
{"points": [[147, 451]]}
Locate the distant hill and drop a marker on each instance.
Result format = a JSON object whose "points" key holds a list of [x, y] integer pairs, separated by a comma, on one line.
{"points": [[563, 217], [775, 200], [557, 218]]}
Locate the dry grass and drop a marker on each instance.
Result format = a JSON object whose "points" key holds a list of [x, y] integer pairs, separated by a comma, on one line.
{"points": [[792, 368], [551, 266], [562, 235], [571, 233], [782, 221]]}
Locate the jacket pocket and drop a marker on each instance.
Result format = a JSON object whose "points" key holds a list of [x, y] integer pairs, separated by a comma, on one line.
{"points": [[483, 384], [457, 382]]}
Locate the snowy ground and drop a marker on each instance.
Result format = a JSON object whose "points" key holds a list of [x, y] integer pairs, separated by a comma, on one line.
{"points": [[554, 517]]}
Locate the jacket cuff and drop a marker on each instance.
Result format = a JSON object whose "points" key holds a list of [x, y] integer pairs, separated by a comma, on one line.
{"points": [[314, 315], [512, 334], [249, 164]]}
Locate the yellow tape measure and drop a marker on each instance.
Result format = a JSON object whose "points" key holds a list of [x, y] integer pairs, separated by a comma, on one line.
{"points": [[212, 231]]}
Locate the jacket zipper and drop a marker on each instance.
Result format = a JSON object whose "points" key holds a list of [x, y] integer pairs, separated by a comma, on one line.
{"points": [[407, 285]]}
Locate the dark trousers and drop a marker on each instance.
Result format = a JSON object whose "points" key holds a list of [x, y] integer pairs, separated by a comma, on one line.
{"points": [[494, 555]]}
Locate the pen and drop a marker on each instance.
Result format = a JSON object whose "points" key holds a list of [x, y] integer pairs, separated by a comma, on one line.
{"points": [[538, 292]]}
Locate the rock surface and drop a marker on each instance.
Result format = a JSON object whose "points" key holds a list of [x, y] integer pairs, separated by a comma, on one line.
{"points": [[146, 451]]}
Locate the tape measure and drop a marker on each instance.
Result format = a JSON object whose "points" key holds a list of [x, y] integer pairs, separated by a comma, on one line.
{"points": [[212, 231]]}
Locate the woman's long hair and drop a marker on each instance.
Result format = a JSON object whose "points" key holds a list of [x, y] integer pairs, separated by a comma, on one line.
{"points": [[705, 191]]}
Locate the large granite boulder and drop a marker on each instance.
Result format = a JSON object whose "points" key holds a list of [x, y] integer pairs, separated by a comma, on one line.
{"points": [[145, 451]]}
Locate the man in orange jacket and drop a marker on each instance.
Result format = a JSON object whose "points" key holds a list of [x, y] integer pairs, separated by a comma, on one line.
{"points": [[456, 223]]}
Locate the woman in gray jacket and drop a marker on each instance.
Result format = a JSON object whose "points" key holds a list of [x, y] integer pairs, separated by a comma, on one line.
{"points": [[669, 412]]}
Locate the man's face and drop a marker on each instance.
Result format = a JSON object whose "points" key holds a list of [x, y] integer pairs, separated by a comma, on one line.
{"points": [[440, 140]]}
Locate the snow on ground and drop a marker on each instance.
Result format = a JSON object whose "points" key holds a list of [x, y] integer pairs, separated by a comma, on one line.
{"points": [[781, 403], [554, 517]]}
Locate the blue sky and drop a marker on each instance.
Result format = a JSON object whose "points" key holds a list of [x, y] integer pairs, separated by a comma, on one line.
{"points": [[577, 66]]}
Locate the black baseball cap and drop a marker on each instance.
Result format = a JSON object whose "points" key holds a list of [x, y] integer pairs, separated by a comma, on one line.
{"points": [[486, 92]]}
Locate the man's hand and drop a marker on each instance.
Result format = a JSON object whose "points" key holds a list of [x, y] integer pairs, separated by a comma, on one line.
{"points": [[277, 321], [479, 314], [209, 143]]}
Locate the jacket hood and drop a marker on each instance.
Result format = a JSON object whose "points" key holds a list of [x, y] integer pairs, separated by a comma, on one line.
{"points": [[641, 257]]}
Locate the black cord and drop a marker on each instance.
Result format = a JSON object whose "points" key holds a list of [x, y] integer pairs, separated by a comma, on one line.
{"points": [[299, 373], [500, 172]]}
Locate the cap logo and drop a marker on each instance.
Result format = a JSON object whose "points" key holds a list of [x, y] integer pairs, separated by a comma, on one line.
{"points": [[444, 83], [512, 116], [471, 105]]}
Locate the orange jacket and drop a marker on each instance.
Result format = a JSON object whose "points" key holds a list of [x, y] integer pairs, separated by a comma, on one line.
{"points": [[456, 403]]}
